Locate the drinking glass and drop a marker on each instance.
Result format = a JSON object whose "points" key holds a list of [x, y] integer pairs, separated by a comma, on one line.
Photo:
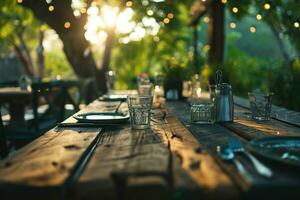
{"points": [[260, 105], [202, 113], [140, 111], [144, 89]]}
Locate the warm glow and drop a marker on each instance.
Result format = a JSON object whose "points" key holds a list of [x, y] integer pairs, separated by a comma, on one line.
{"points": [[252, 29], [232, 25], [235, 9], [129, 3], [170, 15], [224, 1], [206, 19], [150, 12], [267, 6], [100, 19], [51, 8], [76, 13], [67, 25], [258, 17], [166, 20], [83, 10], [19, 1], [296, 25], [109, 15]]}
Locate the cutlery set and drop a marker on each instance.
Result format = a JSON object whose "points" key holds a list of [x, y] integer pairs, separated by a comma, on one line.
{"points": [[234, 146]]}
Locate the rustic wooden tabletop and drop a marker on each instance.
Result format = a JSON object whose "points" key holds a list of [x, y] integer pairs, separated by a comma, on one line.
{"points": [[174, 159]]}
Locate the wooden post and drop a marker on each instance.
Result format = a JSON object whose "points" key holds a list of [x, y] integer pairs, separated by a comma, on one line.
{"points": [[216, 32]]}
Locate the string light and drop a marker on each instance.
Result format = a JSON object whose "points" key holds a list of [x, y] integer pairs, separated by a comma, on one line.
{"points": [[76, 13], [83, 10], [235, 9], [150, 12], [166, 20], [258, 17], [51, 8], [296, 24], [232, 25], [67, 25], [129, 3], [252, 29], [206, 19], [170, 15], [19, 1], [267, 6], [224, 1]]}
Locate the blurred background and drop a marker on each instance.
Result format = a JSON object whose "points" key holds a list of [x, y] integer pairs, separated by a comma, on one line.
{"points": [[256, 43]]}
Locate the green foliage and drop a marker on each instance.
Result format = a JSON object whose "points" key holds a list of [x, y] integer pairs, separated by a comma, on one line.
{"points": [[245, 73], [16, 21], [281, 14], [149, 54], [57, 65], [285, 85], [176, 69]]}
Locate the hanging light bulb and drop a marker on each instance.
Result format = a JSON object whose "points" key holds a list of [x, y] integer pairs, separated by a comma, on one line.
{"points": [[67, 25], [235, 10], [258, 17], [232, 25], [170, 15], [252, 29], [166, 20], [51, 8], [267, 6], [129, 3]]}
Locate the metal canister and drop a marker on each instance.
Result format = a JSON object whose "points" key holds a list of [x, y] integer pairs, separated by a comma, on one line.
{"points": [[223, 103]]}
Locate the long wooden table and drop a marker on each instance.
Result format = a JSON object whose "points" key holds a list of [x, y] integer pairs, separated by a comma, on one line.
{"points": [[173, 160]]}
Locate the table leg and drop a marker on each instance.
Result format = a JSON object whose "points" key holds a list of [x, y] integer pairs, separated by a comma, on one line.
{"points": [[17, 112]]}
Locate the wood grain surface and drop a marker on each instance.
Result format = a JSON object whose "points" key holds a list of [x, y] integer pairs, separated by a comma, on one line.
{"points": [[174, 159]]}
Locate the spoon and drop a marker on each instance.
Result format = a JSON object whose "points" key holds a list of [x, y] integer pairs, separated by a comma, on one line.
{"points": [[228, 155]]}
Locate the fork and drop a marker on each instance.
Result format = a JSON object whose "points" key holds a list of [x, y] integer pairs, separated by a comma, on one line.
{"points": [[236, 146]]}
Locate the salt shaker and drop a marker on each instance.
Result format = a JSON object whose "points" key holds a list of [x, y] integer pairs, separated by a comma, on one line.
{"points": [[224, 103]]}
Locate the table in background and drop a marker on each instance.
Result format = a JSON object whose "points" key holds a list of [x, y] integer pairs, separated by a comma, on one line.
{"points": [[17, 100]]}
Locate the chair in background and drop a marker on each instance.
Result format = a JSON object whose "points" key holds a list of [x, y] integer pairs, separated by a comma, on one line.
{"points": [[3, 144], [54, 95]]}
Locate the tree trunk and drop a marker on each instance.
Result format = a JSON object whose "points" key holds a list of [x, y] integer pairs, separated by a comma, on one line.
{"points": [[40, 55], [26, 54], [216, 33], [28, 70], [76, 47]]}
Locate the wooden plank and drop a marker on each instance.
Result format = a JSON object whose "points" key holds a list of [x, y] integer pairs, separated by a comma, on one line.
{"points": [[251, 129], [203, 169], [152, 164], [283, 184], [121, 151], [45, 163], [279, 113]]}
